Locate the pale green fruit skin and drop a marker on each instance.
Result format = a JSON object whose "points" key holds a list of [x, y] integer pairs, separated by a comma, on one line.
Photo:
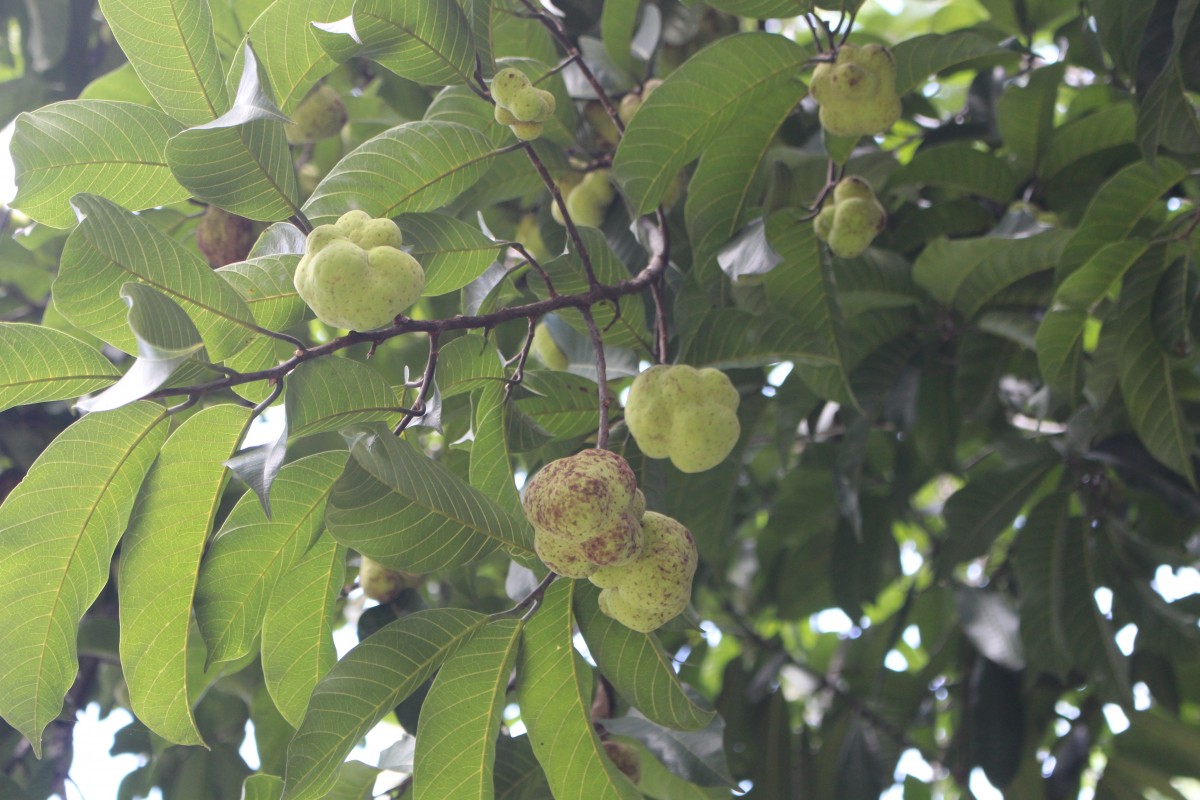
{"points": [[527, 131], [852, 221], [529, 106], [507, 83], [585, 511], [320, 115], [353, 276], [628, 106], [857, 93], [379, 582], [656, 586], [588, 202], [547, 351], [686, 414], [530, 236]]}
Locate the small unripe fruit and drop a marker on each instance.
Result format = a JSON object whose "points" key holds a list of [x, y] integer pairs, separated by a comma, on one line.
{"points": [[320, 115], [224, 238], [655, 587], [857, 93], [631, 102], [852, 220], [547, 350], [586, 512], [527, 131], [626, 758], [686, 414], [381, 583], [353, 274], [588, 202], [507, 83], [521, 105], [530, 236]]}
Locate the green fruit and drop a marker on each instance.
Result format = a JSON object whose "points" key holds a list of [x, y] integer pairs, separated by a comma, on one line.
{"points": [[604, 128], [529, 106], [507, 83], [224, 238], [527, 131], [654, 587], [381, 583], [547, 350], [631, 102], [626, 758], [588, 202], [686, 414], [503, 115], [530, 236], [353, 274], [857, 93], [320, 115], [586, 512], [852, 221]]}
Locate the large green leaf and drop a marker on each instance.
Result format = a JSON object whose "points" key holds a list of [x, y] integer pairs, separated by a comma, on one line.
{"points": [[637, 666], [518, 774], [723, 188], [418, 166], [297, 627], [736, 338], [1036, 573], [554, 688], [1025, 114], [452, 252], [172, 47], [460, 717], [364, 687], [327, 394], [250, 553], [618, 21], [74, 146], [961, 168], [1109, 126], [409, 512], [466, 364], [39, 364], [111, 247], [265, 283], [921, 56], [562, 403], [252, 174], [427, 41], [58, 530], [696, 103], [160, 560], [1148, 385], [491, 461], [288, 49]]}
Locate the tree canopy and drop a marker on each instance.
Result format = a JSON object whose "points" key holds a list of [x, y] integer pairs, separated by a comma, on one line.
{"points": [[938, 256]]}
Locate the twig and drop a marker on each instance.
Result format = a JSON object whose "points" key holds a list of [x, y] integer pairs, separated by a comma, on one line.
{"points": [[300, 221], [523, 356], [601, 379], [572, 231], [419, 407], [533, 262]]}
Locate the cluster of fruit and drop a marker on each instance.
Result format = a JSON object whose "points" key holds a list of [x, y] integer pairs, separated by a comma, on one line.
{"points": [[520, 105]]}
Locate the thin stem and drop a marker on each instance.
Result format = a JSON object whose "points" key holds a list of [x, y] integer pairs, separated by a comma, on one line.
{"points": [[533, 262], [419, 407], [522, 357], [660, 321], [572, 231], [301, 221], [601, 379], [276, 390]]}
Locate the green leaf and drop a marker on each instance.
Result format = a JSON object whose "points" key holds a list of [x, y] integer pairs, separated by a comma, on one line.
{"points": [[696, 103], [265, 283], [1148, 384], [409, 512], [921, 56], [563, 404], [802, 288], [1035, 569], [1025, 114], [967, 273], [250, 553], [427, 41], [253, 176], [737, 338], [287, 46], [724, 186], [418, 166], [980, 511], [38, 364], [1109, 126], [1088, 285], [160, 559], [491, 461], [764, 9], [262, 787], [451, 252], [58, 530], [1167, 118], [518, 774], [484, 15], [961, 168], [460, 717], [1059, 345], [297, 627], [467, 363], [618, 20], [172, 47], [364, 687], [697, 756], [111, 247], [637, 666], [328, 394], [92, 145], [166, 339], [554, 688]]}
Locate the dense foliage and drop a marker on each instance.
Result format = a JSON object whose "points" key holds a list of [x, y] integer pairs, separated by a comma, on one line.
{"points": [[969, 435]]}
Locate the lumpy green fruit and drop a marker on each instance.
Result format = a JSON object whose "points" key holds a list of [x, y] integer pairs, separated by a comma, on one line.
{"points": [[547, 350], [381, 583], [631, 102], [686, 414], [224, 238], [320, 115], [857, 92], [852, 220], [588, 201], [530, 235], [586, 512], [520, 105], [626, 758], [354, 274], [655, 587]]}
